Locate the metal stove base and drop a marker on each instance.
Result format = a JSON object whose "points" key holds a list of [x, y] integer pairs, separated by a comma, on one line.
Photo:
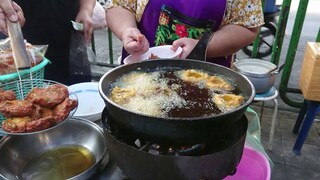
{"points": [[110, 171]]}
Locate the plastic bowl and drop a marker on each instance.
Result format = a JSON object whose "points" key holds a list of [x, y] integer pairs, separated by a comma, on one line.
{"points": [[253, 165], [163, 52], [90, 103]]}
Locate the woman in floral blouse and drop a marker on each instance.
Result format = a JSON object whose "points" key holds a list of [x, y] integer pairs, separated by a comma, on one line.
{"points": [[141, 24]]}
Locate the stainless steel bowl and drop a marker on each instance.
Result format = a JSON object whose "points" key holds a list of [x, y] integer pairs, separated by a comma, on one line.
{"points": [[17, 151]]}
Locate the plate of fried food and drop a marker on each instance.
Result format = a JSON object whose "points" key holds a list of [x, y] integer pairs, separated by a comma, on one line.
{"points": [[158, 52], [34, 105]]}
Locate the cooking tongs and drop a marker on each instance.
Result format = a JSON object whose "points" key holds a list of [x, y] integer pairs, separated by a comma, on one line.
{"points": [[18, 46]]}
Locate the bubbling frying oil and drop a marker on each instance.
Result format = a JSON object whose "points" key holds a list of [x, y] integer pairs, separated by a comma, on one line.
{"points": [[167, 94]]}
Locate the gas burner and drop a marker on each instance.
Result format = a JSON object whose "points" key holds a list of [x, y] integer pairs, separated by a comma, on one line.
{"points": [[168, 149], [180, 150], [157, 149], [214, 159]]}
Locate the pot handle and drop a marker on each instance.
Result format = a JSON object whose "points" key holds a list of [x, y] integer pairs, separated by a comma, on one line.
{"points": [[199, 52], [277, 71]]}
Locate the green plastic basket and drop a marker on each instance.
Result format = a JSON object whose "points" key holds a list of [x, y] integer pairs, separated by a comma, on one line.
{"points": [[22, 88], [37, 73]]}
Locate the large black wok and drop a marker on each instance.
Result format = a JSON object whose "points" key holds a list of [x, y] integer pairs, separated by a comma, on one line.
{"points": [[174, 130]]}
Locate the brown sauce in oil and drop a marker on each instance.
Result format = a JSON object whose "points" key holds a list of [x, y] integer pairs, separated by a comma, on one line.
{"points": [[199, 100]]}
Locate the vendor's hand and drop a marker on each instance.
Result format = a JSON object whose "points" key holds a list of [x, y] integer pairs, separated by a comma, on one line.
{"points": [[84, 17], [134, 42], [187, 45], [12, 11]]}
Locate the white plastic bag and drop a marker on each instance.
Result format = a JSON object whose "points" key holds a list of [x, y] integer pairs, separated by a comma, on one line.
{"points": [[99, 17], [79, 65], [35, 53]]}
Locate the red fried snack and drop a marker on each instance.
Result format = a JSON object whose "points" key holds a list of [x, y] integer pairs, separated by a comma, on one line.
{"points": [[62, 110], [16, 108], [16, 124], [153, 56], [7, 95], [48, 97], [41, 124], [40, 112], [34, 94]]}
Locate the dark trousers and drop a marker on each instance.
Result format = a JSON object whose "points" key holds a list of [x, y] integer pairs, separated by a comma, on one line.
{"points": [[48, 22]]}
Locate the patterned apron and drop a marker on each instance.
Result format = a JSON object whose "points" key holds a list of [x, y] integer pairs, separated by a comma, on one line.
{"points": [[166, 20]]}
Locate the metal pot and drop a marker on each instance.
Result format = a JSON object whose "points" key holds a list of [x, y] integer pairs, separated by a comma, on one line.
{"points": [[261, 73], [174, 130], [137, 164], [17, 151]]}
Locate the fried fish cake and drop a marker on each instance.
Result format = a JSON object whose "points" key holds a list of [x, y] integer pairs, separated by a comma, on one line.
{"points": [[7, 95], [40, 124], [228, 101], [48, 97], [216, 82], [193, 76], [34, 94], [16, 108], [16, 124], [40, 112], [121, 95], [62, 110]]}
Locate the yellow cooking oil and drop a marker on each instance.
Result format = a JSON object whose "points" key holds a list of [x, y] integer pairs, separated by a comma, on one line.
{"points": [[59, 163]]}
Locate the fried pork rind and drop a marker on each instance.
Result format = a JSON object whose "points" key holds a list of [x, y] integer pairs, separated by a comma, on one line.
{"points": [[121, 95], [48, 97], [62, 110], [216, 82], [16, 124], [228, 101], [16, 108]]}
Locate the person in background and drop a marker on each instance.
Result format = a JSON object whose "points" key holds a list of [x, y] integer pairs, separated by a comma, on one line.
{"points": [[49, 22], [148, 23]]}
